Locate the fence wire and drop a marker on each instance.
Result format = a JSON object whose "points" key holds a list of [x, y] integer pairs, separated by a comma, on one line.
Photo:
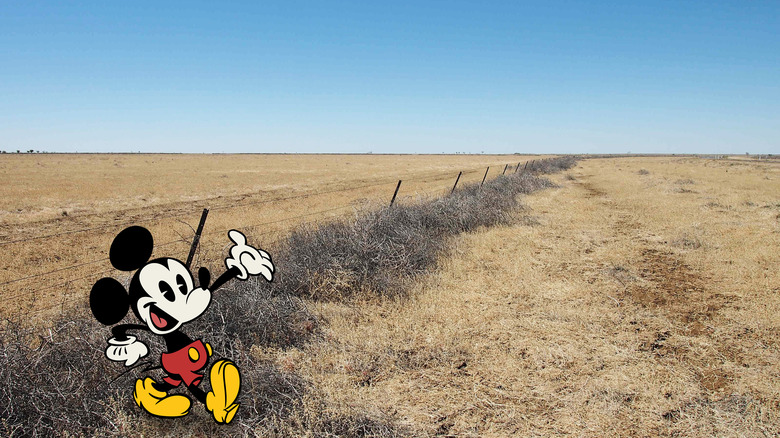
{"points": [[428, 177]]}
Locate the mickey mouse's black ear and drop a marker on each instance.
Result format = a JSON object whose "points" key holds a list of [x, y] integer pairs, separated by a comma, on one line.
{"points": [[109, 301], [131, 248]]}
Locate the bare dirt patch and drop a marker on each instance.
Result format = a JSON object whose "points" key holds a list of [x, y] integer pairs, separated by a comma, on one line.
{"points": [[591, 191], [667, 282]]}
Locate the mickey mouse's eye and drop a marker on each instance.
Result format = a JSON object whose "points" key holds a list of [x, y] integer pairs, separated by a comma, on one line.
{"points": [[166, 290], [181, 283]]}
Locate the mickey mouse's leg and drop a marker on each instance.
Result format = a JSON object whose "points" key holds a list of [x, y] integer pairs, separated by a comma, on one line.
{"points": [[199, 394], [163, 386], [225, 385], [153, 398]]}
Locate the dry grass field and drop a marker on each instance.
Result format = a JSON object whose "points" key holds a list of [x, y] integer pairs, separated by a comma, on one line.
{"points": [[46, 195], [645, 302], [639, 298]]}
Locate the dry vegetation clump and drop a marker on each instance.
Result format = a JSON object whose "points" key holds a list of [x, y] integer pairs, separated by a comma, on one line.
{"points": [[65, 385], [61, 384], [381, 251], [245, 312], [554, 165], [687, 241]]}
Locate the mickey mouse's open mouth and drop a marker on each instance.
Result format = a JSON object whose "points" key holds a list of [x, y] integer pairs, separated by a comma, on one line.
{"points": [[160, 319]]}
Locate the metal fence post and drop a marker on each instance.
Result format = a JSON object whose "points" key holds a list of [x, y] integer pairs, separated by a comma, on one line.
{"points": [[456, 182], [395, 193], [483, 178], [197, 237]]}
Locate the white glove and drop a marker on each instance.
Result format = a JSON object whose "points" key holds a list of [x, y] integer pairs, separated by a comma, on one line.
{"points": [[249, 260], [127, 351]]}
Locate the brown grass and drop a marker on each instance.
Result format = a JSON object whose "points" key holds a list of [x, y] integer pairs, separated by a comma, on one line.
{"points": [[598, 322]]}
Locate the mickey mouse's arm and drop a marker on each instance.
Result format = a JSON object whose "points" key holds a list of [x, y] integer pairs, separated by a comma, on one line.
{"points": [[120, 331], [244, 260], [225, 277], [126, 348], [204, 276]]}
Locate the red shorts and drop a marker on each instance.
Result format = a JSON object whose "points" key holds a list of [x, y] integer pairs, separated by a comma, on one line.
{"points": [[181, 365]]}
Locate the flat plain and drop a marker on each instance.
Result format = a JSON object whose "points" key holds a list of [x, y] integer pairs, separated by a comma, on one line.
{"points": [[640, 297]]}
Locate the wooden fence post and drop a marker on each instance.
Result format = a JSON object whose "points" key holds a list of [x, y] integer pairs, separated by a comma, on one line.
{"points": [[396, 192], [197, 237], [483, 178], [505, 167], [456, 182]]}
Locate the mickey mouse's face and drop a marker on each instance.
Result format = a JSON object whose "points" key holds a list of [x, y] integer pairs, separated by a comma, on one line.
{"points": [[166, 296], [162, 293]]}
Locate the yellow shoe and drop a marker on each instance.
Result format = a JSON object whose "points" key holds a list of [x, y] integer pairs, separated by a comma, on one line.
{"points": [[159, 403], [225, 384]]}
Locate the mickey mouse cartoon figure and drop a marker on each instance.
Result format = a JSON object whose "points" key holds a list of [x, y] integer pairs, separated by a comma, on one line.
{"points": [[163, 296]]}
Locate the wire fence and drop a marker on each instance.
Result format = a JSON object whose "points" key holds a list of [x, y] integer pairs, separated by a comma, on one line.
{"points": [[219, 207], [36, 305]]}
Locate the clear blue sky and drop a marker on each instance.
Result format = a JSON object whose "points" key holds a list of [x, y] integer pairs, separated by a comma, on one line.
{"points": [[395, 76]]}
